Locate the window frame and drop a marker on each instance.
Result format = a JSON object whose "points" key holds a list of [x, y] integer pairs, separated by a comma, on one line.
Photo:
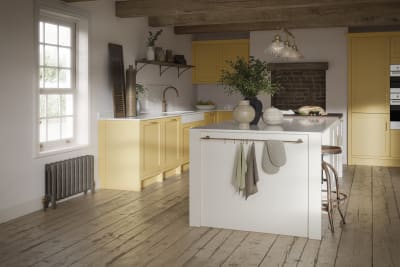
{"points": [[72, 90], [63, 13]]}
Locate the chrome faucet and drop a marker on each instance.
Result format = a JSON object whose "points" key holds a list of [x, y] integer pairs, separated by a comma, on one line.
{"points": [[164, 101]]}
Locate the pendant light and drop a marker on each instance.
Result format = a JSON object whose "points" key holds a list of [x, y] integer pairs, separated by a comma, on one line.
{"points": [[284, 49]]}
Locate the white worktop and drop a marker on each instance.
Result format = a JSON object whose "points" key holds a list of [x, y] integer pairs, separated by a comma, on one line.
{"points": [[294, 124], [157, 115]]}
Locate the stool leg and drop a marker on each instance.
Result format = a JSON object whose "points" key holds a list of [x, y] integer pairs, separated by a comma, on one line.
{"points": [[336, 177], [329, 194]]}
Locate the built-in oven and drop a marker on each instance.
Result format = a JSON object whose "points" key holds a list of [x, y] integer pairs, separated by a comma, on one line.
{"points": [[394, 96]]}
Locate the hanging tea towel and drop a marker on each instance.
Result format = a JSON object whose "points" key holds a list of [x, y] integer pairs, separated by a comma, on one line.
{"points": [[274, 156], [252, 173], [241, 169]]}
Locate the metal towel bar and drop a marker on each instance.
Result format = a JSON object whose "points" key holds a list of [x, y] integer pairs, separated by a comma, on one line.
{"points": [[298, 141]]}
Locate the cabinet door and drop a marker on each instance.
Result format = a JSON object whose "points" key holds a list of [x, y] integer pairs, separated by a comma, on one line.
{"points": [[209, 118], [395, 50], [369, 68], [152, 147], [395, 143], [370, 135], [172, 142], [224, 116], [231, 51], [185, 141], [206, 58]]}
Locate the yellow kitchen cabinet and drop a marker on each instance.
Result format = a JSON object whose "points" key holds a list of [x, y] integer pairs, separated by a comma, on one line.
{"points": [[206, 59], [210, 117], [369, 66], [395, 50], [172, 142], [152, 143], [186, 139], [224, 116], [395, 143], [370, 135], [134, 153], [209, 58]]}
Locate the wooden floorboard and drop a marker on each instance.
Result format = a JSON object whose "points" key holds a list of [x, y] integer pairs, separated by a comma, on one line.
{"points": [[121, 228]]}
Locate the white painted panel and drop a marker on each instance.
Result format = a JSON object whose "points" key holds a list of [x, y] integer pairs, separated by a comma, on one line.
{"points": [[281, 204]]}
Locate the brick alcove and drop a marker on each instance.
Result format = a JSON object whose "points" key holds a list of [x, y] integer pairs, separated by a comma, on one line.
{"points": [[302, 84]]}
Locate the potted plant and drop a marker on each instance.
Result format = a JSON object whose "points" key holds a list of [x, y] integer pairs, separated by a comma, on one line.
{"points": [[151, 40], [249, 78]]}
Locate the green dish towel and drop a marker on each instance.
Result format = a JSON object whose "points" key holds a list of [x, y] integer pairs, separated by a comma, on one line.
{"points": [[240, 170], [252, 173]]}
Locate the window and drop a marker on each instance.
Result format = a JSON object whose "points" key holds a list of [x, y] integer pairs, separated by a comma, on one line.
{"points": [[62, 110], [56, 83]]}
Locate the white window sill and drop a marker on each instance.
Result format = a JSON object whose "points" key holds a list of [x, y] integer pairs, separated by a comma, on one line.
{"points": [[60, 150]]}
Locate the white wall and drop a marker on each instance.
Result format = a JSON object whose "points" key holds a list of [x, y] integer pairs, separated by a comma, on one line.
{"points": [[21, 174], [328, 44]]}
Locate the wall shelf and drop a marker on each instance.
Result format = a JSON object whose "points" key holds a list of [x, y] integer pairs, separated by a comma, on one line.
{"points": [[163, 66]]}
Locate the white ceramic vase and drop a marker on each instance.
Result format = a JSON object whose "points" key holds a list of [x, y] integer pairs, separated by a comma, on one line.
{"points": [[150, 53], [272, 116], [244, 114]]}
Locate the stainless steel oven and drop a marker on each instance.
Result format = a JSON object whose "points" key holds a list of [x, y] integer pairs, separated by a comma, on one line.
{"points": [[394, 96]]}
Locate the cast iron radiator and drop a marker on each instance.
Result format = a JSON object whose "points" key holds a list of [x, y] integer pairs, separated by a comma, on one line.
{"points": [[67, 178]]}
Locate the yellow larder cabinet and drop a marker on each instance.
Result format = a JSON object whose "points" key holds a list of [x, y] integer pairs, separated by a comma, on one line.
{"points": [[133, 152], [209, 58], [369, 70]]}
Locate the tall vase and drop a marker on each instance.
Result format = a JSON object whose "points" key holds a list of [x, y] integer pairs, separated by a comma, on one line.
{"points": [[150, 53], [130, 92], [243, 114], [258, 107]]}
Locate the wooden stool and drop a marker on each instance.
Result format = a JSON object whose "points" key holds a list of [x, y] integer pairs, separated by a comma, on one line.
{"points": [[334, 197]]}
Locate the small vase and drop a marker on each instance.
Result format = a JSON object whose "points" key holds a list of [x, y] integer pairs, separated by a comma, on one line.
{"points": [[272, 116], [243, 114], [257, 105], [150, 53]]}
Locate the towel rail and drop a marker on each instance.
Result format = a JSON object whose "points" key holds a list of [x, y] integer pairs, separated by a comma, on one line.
{"points": [[298, 141]]}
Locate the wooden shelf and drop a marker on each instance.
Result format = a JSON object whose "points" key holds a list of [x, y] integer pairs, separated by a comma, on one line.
{"points": [[163, 66]]}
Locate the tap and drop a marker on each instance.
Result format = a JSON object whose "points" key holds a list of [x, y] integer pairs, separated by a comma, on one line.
{"points": [[164, 101]]}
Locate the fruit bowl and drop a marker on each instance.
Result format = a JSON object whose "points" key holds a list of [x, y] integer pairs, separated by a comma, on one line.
{"points": [[205, 107]]}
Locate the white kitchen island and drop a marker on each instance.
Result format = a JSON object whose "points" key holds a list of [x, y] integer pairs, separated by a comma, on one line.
{"points": [[288, 202]]}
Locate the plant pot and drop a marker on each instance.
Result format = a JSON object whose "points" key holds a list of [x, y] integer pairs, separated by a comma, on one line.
{"points": [[150, 53], [272, 116], [257, 105], [243, 114]]}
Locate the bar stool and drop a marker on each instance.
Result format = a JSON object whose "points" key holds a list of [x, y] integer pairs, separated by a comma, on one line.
{"points": [[334, 197]]}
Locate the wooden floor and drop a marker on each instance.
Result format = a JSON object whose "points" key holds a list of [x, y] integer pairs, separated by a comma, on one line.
{"points": [[120, 228]]}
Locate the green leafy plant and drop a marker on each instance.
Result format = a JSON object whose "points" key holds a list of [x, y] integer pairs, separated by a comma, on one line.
{"points": [[152, 38], [140, 90], [248, 78]]}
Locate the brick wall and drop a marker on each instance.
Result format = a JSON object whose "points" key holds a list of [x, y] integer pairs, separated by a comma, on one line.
{"points": [[302, 84]]}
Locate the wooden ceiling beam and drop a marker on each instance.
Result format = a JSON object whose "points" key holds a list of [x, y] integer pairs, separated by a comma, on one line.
{"points": [[333, 16], [74, 1], [153, 8]]}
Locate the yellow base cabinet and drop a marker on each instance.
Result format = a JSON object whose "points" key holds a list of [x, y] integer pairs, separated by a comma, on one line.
{"points": [[370, 135], [185, 142], [224, 116], [395, 50], [210, 117], [395, 143], [134, 153], [209, 58]]}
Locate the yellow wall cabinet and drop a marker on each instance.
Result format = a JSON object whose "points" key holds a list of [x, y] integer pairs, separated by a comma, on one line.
{"points": [[370, 141], [133, 153], [209, 58]]}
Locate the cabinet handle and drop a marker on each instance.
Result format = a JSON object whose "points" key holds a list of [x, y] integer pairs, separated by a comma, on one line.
{"points": [[386, 126]]}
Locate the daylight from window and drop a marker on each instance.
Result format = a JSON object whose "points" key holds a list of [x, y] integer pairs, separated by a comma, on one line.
{"points": [[56, 83]]}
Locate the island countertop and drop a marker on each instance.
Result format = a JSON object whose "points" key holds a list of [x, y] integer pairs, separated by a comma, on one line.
{"points": [[293, 124]]}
